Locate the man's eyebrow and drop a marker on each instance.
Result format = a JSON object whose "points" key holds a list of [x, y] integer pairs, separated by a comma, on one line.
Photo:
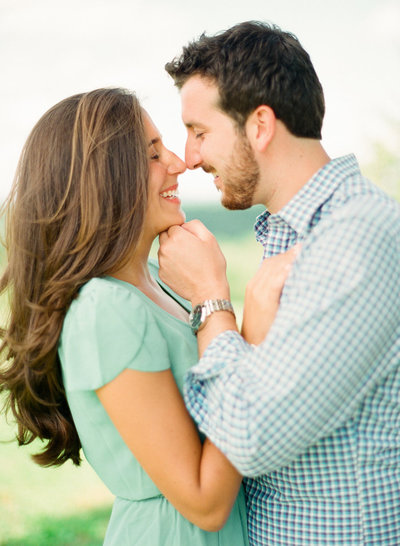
{"points": [[192, 124]]}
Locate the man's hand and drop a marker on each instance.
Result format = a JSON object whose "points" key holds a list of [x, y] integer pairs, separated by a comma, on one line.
{"points": [[192, 263]]}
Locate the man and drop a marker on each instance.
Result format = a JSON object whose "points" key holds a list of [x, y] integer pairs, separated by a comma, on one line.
{"points": [[310, 415]]}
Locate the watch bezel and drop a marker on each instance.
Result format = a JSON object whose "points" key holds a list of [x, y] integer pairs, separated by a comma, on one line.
{"points": [[202, 311], [195, 317]]}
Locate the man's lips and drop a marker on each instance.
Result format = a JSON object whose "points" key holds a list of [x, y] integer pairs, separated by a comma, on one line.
{"points": [[209, 170], [217, 181]]}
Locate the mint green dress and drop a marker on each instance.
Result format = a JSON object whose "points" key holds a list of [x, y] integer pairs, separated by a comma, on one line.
{"points": [[109, 327]]}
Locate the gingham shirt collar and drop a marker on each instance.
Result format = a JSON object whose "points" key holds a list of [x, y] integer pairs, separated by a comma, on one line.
{"points": [[300, 210], [309, 415]]}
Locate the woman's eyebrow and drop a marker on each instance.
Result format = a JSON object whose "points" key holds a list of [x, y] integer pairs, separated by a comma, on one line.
{"points": [[154, 141]]}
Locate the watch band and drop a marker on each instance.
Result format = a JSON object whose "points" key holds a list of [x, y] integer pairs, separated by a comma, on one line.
{"points": [[201, 312]]}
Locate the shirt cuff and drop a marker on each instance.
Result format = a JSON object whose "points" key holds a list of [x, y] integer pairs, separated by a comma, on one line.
{"points": [[222, 351], [202, 394]]}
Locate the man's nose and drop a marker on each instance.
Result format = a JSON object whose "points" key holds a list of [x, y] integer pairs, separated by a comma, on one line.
{"points": [[193, 157]]}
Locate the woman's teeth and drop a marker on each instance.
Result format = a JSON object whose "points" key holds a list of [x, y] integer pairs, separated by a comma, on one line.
{"points": [[171, 194]]}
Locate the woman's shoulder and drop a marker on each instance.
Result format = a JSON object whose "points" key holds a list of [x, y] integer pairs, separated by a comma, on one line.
{"points": [[107, 329], [106, 306], [109, 286], [106, 295]]}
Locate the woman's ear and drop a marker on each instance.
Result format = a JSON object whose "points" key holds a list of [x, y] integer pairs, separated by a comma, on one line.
{"points": [[260, 127]]}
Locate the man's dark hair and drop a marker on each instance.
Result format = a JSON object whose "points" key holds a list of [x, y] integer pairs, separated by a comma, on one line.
{"points": [[254, 63]]}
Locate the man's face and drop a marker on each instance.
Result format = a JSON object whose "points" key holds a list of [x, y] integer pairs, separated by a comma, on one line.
{"points": [[214, 143]]}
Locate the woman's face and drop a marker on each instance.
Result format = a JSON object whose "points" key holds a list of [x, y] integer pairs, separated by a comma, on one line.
{"points": [[164, 205]]}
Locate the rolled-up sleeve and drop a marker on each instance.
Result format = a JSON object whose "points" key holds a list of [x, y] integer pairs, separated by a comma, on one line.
{"points": [[335, 337]]}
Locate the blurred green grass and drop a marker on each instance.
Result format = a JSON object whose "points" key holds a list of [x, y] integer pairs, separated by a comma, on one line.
{"points": [[243, 257], [48, 506], [69, 506], [76, 530], [235, 235], [59, 506]]}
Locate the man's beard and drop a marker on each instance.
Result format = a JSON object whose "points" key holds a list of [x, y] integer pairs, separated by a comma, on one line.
{"points": [[241, 177]]}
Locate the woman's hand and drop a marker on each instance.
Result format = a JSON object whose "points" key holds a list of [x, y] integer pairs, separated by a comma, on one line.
{"points": [[263, 294]]}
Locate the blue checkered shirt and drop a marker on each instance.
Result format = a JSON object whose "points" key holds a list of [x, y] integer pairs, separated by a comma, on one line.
{"points": [[311, 416]]}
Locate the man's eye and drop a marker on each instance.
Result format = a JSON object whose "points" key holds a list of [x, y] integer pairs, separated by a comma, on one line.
{"points": [[198, 135]]}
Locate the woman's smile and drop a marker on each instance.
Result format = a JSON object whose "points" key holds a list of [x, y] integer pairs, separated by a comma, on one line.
{"points": [[171, 194]]}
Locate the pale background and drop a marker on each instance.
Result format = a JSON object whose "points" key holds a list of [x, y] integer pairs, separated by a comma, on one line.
{"points": [[50, 49]]}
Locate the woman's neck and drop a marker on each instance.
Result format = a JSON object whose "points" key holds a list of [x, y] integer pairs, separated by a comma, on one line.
{"points": [[135, 270]]}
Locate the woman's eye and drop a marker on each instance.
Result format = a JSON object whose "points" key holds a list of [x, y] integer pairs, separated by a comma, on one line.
{"points": [[154, 155]]}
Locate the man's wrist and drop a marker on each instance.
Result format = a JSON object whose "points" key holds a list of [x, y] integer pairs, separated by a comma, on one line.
{"points": [[211, 293], [201, 312]]}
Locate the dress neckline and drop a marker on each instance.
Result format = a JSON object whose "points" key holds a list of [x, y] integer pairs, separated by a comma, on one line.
{"points": [[149, 301]]}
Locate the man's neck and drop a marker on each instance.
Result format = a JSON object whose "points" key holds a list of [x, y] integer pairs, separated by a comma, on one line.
{"points": [[288, 167]]}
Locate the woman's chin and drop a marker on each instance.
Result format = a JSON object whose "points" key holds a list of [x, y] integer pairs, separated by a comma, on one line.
{"points": [[179, 219]]}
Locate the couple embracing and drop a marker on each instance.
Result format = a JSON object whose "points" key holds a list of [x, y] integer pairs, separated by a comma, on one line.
{"points": [[285, 433]]}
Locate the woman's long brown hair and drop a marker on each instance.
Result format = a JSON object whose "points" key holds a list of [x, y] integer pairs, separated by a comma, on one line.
{"points": [[75, 212]]}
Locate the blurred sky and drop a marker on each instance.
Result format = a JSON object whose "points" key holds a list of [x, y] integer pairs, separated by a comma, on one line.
{"points": [[50, 49]]}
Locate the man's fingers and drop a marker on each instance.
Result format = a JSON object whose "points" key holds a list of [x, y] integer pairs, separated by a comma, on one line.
{"points": [[197, 228], [171, 233], [193, 228]]}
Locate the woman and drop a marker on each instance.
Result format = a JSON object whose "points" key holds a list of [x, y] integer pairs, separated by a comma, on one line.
{"points": [[96, 344]]}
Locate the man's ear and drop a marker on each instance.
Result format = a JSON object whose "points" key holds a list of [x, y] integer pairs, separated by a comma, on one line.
{"points": [[260, 127]]}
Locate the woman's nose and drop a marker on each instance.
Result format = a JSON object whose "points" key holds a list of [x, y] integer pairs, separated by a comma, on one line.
{"points": [[176, 165]]}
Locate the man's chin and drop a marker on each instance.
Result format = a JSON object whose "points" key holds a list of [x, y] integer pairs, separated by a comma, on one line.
{"points": [[233, 204]]}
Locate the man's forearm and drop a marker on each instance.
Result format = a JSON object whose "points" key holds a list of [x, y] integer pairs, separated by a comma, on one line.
{"points": [[217, 323]]}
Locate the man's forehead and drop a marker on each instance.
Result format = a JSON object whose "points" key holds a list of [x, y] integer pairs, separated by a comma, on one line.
{"points": [[198, 97], [199, 88], [200, 82]]}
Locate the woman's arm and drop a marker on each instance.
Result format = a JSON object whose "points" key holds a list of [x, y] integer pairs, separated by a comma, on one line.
{"points": [[149, 413], [263, 294]]}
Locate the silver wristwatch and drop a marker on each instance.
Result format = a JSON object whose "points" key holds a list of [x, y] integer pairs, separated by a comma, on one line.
{"points": [[200, 312]]}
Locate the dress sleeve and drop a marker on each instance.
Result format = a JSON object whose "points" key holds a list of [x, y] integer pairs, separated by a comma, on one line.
{"points": [[108, 328]]}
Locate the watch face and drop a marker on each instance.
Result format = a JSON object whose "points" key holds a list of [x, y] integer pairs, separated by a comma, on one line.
{"points": [[195, 317]]}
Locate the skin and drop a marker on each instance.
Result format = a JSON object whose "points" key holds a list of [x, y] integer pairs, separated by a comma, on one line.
{"points": [[243, 175], [285, 162], [164, 168], [190, 260], [214, 144], [147, 408], [263, 293]]}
